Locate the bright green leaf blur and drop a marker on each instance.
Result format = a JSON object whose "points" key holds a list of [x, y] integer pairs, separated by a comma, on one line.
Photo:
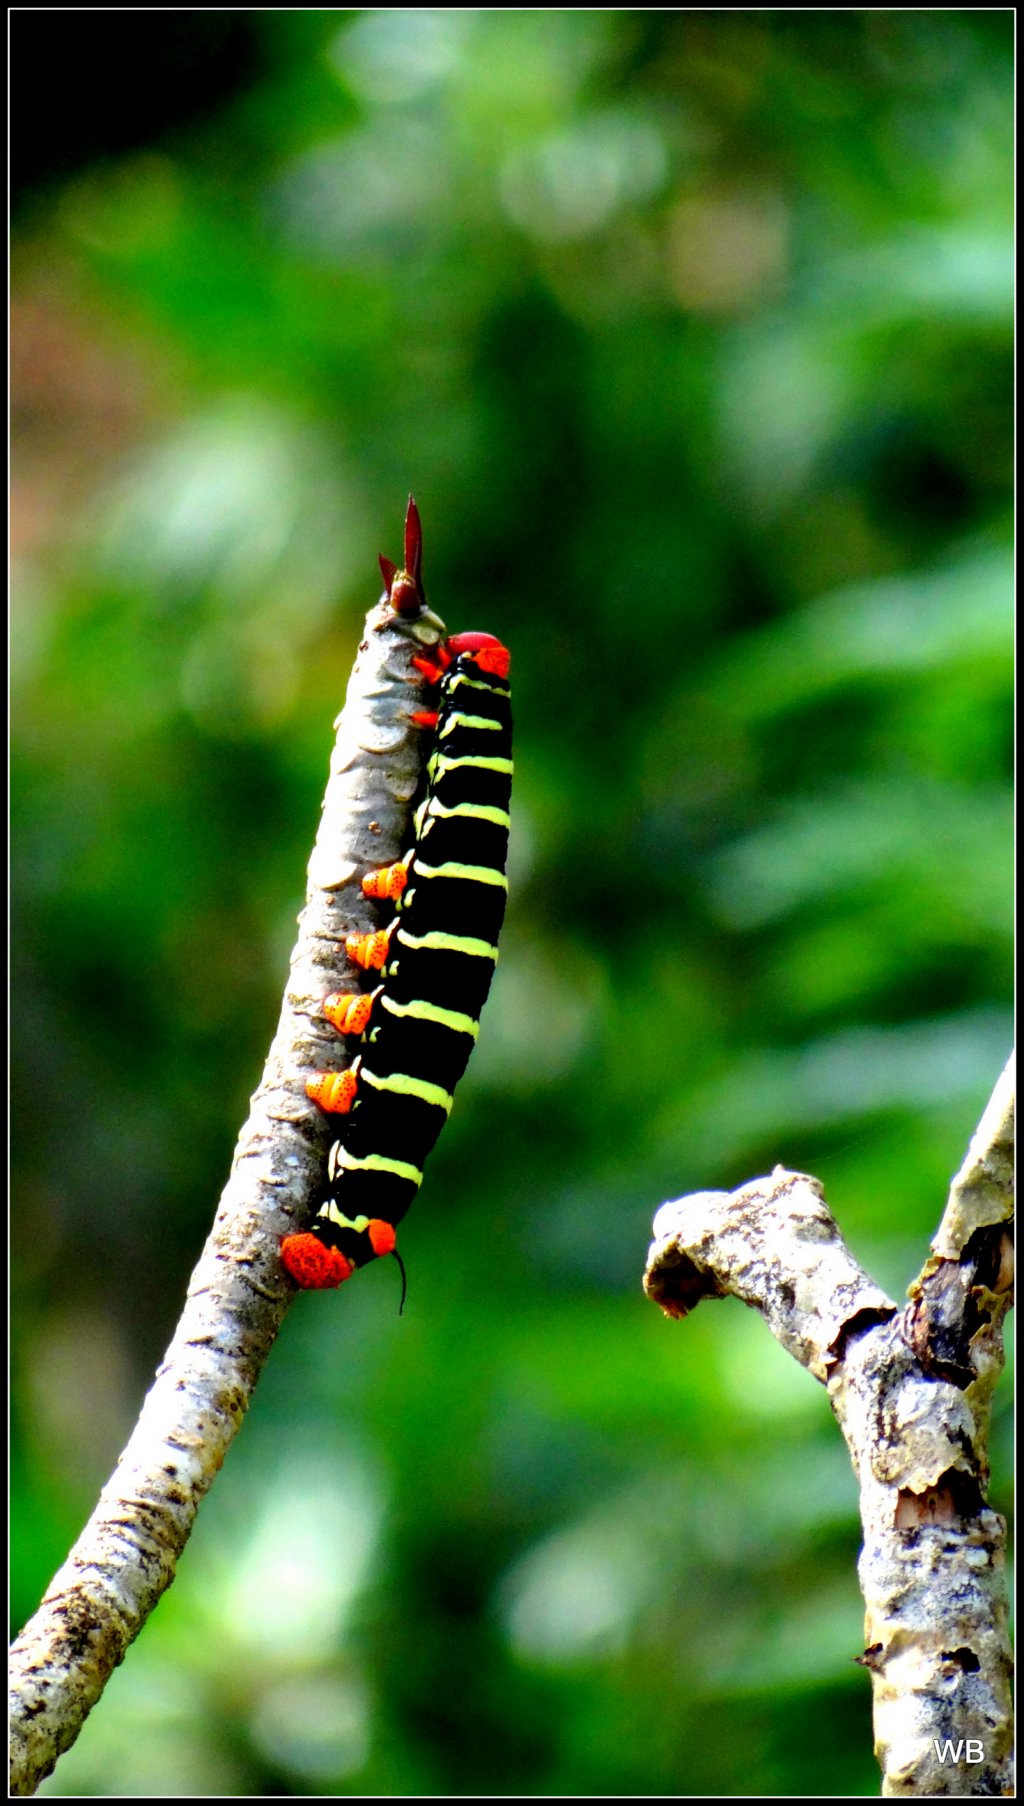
{"points": [[692, 334]]}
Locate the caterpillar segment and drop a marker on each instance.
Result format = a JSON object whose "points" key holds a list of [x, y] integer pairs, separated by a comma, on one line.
{"points": [[435, 958]]}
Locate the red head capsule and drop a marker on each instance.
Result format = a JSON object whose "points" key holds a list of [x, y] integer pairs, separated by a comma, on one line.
{"points": [[486, 651]]}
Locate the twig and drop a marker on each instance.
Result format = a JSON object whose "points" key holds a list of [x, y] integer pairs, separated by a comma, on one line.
{"points": [[127, 1554], [911, 1391]]}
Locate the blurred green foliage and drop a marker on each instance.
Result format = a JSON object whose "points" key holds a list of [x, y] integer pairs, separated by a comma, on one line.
{"points": [[692, 334]]}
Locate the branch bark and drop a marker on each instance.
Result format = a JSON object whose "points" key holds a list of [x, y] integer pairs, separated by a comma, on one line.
{"points": [[128, 1551], [911, 1391]]}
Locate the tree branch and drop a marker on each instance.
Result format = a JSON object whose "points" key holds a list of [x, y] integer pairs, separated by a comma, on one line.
{"points": [[912, 1392], [127, 1554]]}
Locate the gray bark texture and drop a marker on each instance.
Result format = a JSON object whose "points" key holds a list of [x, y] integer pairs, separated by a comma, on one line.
{"points": [[911, 1390]]}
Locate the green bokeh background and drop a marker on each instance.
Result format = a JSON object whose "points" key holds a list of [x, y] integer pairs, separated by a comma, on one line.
{"points": [[692, 334]]}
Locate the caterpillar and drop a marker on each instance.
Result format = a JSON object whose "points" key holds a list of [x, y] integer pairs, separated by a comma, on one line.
{"points": [[435, 957]]}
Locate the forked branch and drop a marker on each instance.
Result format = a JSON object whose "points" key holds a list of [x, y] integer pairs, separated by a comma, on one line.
{"points": [[911, 1391]]}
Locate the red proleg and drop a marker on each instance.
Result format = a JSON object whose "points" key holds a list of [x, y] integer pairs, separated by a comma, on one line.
{"points": [[333, 1091], [382, 1236], [368, 950], [348, 1012], [387, 883], [313, 1265]]}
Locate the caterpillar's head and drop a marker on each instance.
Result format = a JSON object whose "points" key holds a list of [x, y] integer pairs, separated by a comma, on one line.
{"points": [[482, 650]]}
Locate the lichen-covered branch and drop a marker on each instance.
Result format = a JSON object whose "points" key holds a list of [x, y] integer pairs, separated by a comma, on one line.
{"points": [[127, 1554], [775, 1244], [911, 1391]]}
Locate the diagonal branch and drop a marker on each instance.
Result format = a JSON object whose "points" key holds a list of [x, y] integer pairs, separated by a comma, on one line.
{"points": [[911, 1391], [128, 1551]]}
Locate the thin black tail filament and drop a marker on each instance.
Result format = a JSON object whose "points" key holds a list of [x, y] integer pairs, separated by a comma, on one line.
{"points": [[405, 1282]]}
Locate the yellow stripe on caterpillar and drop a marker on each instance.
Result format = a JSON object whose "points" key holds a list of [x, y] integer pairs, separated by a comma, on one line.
{"points": [[440, 764], [476, 683], [436, 942], [331, 1214], [342, 1161], [406, 1086], [479, 874], [433, 1012], [436, 811], [479, 721]]}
